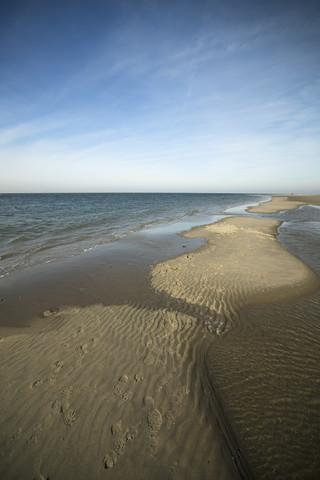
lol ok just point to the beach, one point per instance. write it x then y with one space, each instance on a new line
284 202
208 367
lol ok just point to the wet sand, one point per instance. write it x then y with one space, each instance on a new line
243 264
285 202
116 273
101 389
106 392
187 380
267 371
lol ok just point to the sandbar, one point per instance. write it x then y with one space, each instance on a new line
262 305
279 203
243 264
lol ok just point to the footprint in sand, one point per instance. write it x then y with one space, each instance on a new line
176 400
79 331
38 383
179 397
17 434
154 421
119 389
64 407
149 359
82 351
34 435
50 313
120 438
56 368
8 443
169 420
166 380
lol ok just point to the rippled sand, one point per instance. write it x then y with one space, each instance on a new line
243 264
267 372
111 392
265 367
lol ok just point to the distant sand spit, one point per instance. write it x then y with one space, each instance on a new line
279 203
107 392
242 265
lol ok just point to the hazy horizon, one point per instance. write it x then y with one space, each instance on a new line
164 192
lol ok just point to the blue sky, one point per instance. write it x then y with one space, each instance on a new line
185 96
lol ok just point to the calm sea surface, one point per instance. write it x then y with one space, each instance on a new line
43 228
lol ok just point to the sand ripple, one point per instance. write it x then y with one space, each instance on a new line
273 396
109 392
243 264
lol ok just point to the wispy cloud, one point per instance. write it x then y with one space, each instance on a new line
159 97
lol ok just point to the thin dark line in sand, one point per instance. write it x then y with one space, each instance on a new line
227 434
238 458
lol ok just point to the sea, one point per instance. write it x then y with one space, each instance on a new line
36 229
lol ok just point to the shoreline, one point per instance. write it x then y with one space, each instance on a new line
188 277
133 377
279 203
27 294
261 271
115 273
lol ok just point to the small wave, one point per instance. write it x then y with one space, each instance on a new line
6 255
44 248
91 248
20 239
89 223
194 212
164 221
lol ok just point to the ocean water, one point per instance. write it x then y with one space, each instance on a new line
42 228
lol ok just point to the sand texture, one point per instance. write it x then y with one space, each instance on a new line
265 369
243 264
202 378
267 372
107 392
279 203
